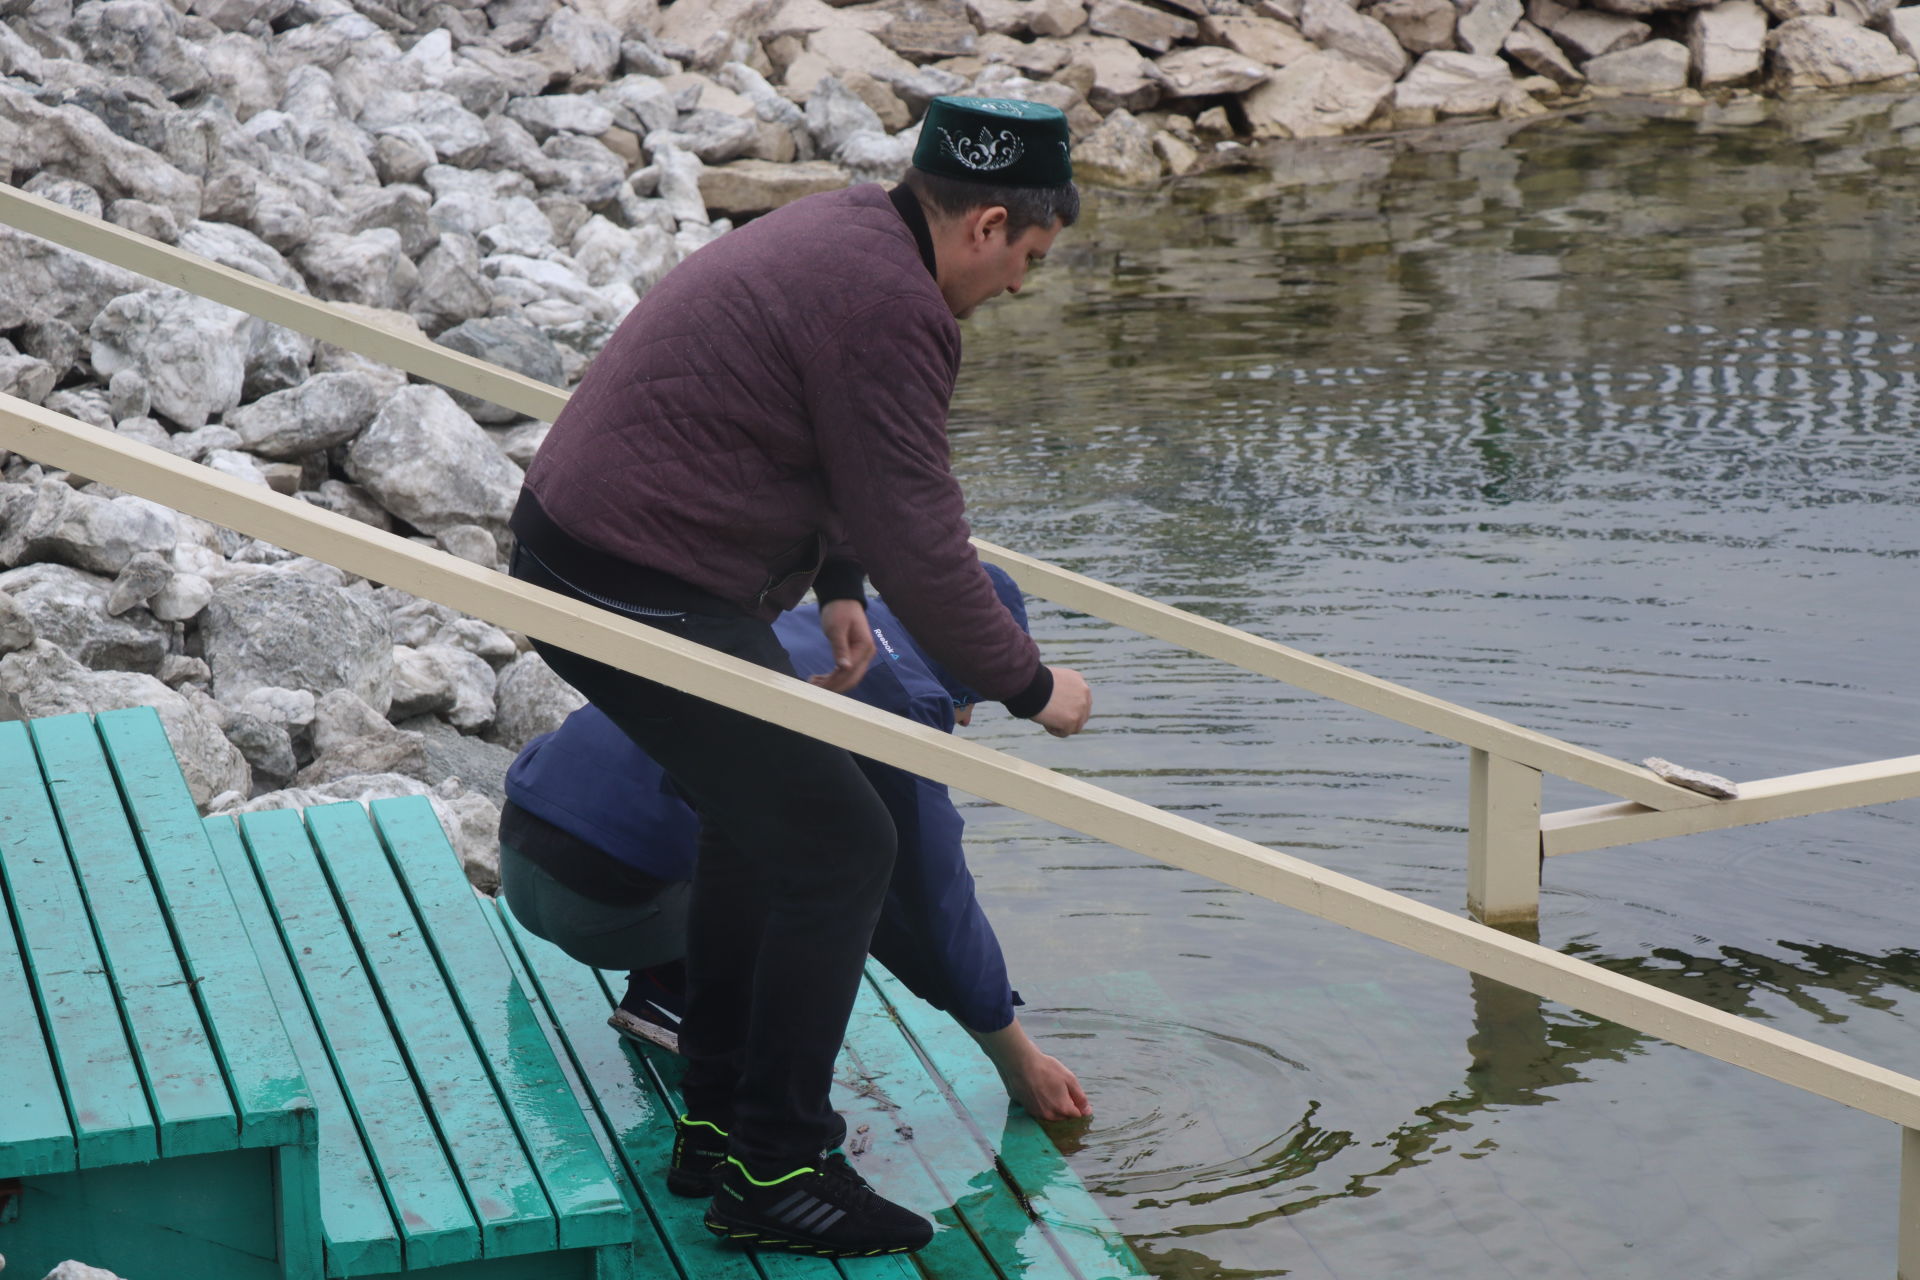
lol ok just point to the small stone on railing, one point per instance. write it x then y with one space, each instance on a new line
1707 784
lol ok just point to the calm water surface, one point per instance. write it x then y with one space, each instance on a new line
1606 426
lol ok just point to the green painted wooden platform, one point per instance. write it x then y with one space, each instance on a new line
298 1046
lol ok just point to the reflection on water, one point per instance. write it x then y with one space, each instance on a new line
1604 425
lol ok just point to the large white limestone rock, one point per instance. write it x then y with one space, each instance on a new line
1829 52
1320 96
1728 42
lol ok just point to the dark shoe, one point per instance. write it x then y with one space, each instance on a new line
699 1149
825 1209
650 1011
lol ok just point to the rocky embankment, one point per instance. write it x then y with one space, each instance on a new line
508 178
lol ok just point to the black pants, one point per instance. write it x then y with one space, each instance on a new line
795 853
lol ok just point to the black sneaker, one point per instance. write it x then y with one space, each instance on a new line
824 1209
650 1012
699 1149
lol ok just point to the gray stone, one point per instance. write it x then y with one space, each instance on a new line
1865 13
1117 154
145 576
682 180
1484 28
139 37
756 186
325 410
471 543
1828 52
352 737
640 104
1421 26
184 597
560 113
835 113
714 136
88 532
422 685
402 153
1139 24
242 73
400 208
1535 50
457 135
16 627
1707 784
68 141
268 748
41 280
43 680
530 700
471 682
582 49
511 343
128 396
1588 34
1446 83
1788 10
239 248
431 465
68 607
77 196
712 32
1658 66
1122 78
29 379
349 500
482 766
153 221
54 341
1320 96
1728 42
88 404
1205 72
370 268
1337 28
453 286
584 169
872 156
177 669
191 351
1903 28
283 631
1646 8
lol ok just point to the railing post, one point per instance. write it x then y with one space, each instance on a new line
1909 1204
1503 842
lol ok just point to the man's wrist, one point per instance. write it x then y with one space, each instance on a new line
1033 699
841 580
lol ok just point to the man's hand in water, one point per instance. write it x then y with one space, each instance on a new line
844 623
1038 1081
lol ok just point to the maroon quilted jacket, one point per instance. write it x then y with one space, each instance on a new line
777 404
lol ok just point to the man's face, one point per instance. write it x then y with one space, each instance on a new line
980 261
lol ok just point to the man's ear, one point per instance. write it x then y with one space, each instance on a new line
990 221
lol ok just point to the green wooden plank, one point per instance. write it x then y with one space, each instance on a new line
356 1224
664 1071
645 1256
942 1170
547 1118
188 1091
112 1121
626 1103
1073 1219
498 1178
436 1225
269 1091
35 1135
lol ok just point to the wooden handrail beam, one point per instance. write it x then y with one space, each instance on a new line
1343 684
1079 806
1795 795
195 274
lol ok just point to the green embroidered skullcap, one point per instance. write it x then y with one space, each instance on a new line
999 141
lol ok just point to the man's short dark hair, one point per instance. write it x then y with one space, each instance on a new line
1026 206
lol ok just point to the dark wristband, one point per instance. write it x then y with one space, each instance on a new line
840 580
1033 699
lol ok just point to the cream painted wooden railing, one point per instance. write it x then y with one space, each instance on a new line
1505 829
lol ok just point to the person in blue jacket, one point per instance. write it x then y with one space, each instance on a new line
597 851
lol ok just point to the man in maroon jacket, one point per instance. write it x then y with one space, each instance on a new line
770 418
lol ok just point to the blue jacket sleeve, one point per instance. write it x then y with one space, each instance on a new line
932 934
